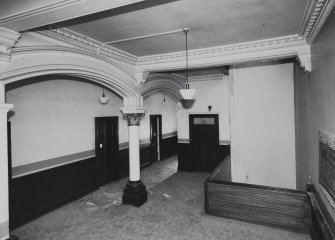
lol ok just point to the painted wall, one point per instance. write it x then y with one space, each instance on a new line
154 105
214 93
54 117
315 105
262 129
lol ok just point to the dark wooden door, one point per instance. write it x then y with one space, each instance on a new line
204 136
155 136
106 148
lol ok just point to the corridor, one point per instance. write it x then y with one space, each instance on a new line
174 211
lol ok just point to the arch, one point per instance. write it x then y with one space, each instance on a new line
32 64
163 83
175 95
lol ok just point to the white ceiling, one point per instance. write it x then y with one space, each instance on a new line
212 23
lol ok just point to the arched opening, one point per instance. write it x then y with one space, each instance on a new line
53 140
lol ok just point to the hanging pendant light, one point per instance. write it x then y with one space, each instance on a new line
187 93
164 103
103 99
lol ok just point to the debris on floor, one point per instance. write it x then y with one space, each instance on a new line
167 195
91 206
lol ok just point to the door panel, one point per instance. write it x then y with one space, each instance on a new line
155 136
106 148
204 132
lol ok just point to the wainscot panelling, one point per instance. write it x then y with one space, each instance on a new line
169 147
323 225
277 207
34 194
185 156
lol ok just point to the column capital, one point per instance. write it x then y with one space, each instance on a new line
133 115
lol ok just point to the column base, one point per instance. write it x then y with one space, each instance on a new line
135 193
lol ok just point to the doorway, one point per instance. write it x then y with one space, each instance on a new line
106 148
204 140
155 137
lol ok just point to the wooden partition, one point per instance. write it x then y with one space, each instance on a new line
277 207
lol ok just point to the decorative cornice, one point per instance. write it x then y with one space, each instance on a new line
208 77
315 16
96 47
292 46
8 38
305 61
260 45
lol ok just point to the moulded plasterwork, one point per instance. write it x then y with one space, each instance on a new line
7 40
315 16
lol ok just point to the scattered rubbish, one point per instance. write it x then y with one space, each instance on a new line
106 206
167 195
150 192
108 194
91 204
117 202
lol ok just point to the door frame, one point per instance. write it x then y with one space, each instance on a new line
114 118
191 133
152 117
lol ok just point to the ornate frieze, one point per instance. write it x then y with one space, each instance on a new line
133 119
260 45
8 38
315 15
78 40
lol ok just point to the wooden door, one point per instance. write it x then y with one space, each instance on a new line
155 136
106 148
204 136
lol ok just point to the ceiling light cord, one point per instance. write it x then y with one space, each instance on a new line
187 86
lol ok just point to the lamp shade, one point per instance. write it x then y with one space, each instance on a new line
187 94
103 99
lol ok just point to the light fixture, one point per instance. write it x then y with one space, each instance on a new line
187 93
103 99
164 103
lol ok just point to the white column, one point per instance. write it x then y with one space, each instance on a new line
134 153
4 207
133 117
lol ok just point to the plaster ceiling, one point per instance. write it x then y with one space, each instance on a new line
212 23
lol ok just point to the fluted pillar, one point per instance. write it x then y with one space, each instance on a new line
135 192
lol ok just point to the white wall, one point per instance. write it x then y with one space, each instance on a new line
262 130
154 106
214 93
55 118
